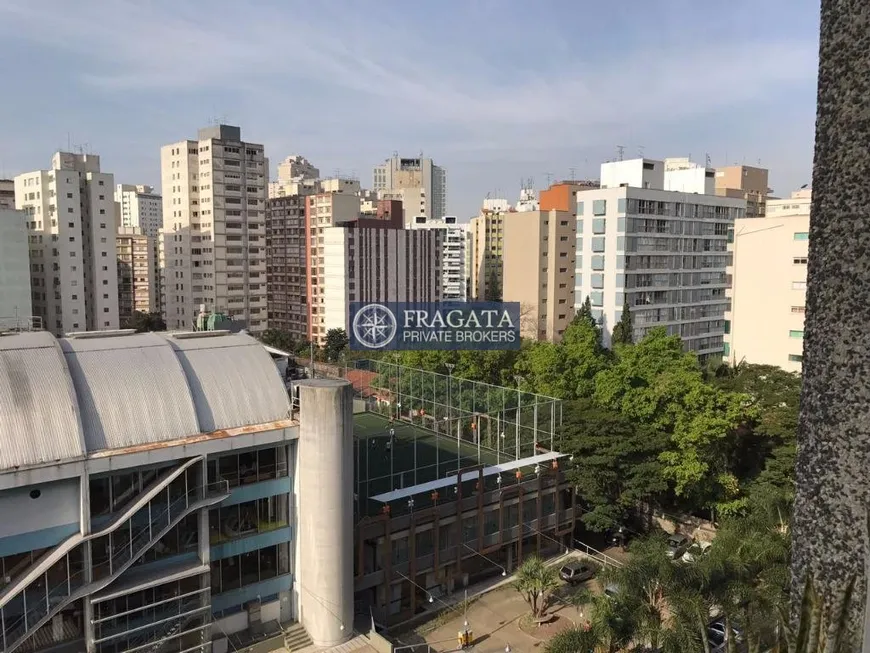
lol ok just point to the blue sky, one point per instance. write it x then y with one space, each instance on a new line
494 90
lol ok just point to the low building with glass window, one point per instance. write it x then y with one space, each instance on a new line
151 496
655 236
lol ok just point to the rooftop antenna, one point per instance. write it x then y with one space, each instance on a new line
620 152
573 173
640 149
549 176
707 160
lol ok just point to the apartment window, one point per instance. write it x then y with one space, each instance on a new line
795 358
798 285
727 327
579 209
597 298
801 235
799 260
598 263
796 333
598 244
599 207
726 349
69 196
71 225
106 310
598 226
620 205
598 281
799 309
70 210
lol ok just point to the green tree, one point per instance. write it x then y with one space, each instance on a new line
278 339
493 291
335 345
535 581
656 383
615 465
623 331
143 322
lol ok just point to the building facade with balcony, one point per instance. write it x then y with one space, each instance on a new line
136 273
213 244
454 242
664 252
151 493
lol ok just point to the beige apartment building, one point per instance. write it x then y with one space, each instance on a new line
539 254
768 285
7 194
71 226
136 271
486 254
745 183
213 247
322 211
424 181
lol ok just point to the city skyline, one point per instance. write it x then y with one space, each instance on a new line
738 87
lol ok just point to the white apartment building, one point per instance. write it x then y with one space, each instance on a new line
664 251
16 307
378 265
140 207
454 284
213 248
71 222
400 173
768 285
295 173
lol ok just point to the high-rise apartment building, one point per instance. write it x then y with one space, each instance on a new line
7 194
140 207
322 211
562 196
399 173
665 252
295 175
71 221
286 264
16 307
378 264
539 254
136 273
454 285
213 248
486 238
747 183
768 285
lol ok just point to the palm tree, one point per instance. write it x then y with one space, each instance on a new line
535 581
643 586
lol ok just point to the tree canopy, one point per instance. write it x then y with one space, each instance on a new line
143 322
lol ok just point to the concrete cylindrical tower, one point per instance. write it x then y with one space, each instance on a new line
325 525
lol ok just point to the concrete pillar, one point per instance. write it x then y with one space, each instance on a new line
830 535
325 525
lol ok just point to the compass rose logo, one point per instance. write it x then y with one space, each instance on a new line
374 326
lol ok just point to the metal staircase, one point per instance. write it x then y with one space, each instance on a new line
159 628
142 523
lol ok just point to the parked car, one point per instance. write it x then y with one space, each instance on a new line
677 545
716 635
696 551
611 590
576 572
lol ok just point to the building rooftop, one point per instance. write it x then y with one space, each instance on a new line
63 399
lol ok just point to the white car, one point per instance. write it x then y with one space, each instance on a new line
697 550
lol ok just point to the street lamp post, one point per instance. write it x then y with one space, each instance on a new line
519 381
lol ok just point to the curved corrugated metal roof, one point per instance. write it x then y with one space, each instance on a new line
233 381
61 399
131 390
39 420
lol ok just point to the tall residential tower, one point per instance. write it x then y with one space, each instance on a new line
418 173
213 249
71 221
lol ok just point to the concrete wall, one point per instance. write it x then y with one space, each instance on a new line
325 472
14 267
57 504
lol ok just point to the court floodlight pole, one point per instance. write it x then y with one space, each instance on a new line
519 380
